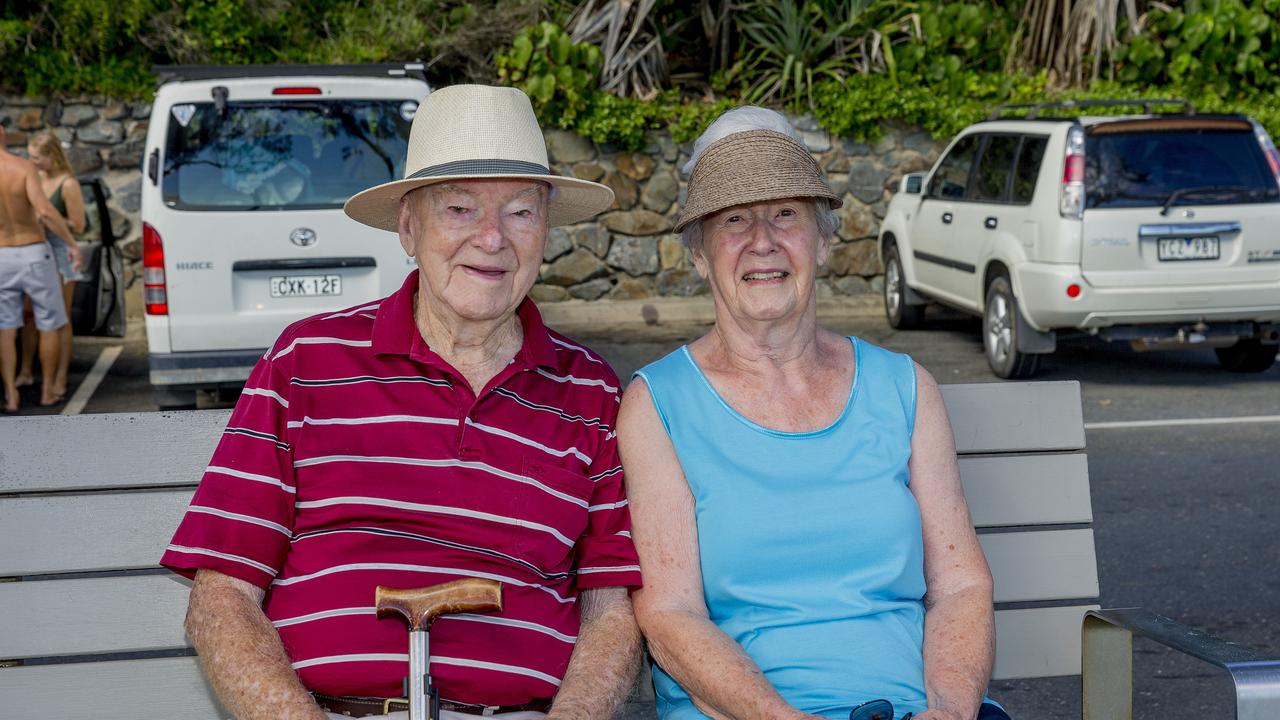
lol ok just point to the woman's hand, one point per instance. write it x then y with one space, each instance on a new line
73 254
939 714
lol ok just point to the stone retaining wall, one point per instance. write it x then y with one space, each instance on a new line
103 137
627 253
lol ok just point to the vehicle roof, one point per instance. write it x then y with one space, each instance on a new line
260 88
1015 124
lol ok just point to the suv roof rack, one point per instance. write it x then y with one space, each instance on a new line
1034 109
176 73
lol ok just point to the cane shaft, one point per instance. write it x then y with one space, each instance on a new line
419 667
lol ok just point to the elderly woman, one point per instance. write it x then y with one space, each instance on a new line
796 505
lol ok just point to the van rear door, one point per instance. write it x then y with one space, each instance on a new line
1178 201
253 233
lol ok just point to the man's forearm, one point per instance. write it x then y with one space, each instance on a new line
241 652
605 658
959 645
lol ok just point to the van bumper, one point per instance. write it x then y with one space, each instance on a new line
1042 291
203 369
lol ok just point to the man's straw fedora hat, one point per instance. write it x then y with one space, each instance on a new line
473 132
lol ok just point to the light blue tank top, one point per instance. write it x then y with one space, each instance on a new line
811 550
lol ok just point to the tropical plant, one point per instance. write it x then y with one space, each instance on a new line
558 74
1227 47
635 61
1075 39
789 45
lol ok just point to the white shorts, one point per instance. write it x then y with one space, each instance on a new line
30 270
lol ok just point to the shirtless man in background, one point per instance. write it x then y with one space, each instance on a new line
27 267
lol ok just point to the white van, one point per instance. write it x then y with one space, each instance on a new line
246 171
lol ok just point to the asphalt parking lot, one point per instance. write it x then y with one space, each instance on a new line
1182 464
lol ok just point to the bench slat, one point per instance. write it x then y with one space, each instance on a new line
1041 565
101 531
52 618
121 690
1006 490
1038 642
1015 417
64 452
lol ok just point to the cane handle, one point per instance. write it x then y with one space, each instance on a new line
421 606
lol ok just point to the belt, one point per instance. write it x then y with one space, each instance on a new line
356 706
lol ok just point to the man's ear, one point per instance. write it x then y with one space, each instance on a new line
408 224
824 250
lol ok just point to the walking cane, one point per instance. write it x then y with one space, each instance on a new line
420 607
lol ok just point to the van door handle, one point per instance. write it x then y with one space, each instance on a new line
947 218
989 223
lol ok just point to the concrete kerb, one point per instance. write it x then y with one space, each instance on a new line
664 313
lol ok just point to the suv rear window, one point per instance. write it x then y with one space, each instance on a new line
282 155
1204 166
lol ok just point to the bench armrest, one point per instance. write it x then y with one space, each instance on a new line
1107 663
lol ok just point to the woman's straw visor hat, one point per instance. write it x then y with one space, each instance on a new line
752 166
473 132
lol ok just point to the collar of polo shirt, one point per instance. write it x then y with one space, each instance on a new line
396 333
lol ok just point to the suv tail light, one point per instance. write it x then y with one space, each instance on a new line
1071 201
154 293
1268 149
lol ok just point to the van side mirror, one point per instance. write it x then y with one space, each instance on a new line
912 183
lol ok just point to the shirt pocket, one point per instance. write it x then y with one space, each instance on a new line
557 507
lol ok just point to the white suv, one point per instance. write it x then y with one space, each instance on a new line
246 171
1162 230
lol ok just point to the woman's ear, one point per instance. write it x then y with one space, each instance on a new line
700 263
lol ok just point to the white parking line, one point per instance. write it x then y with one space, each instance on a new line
1242 420
99 370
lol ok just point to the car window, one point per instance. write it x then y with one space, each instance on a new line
952 176
1030 156
290 155
991 174
1135 169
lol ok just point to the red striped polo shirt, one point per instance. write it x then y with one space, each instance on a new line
357 457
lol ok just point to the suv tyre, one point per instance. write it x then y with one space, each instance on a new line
1249 355
900 315
1000 333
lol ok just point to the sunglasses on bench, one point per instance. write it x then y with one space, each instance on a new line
875 710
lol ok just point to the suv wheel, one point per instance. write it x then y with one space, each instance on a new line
900 315
1249 355
1000 333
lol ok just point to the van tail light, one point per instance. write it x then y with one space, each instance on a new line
296 90
154 292
1071 201
1268 149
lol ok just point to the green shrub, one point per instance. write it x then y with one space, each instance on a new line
558 74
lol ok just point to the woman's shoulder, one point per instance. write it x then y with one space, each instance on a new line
668 366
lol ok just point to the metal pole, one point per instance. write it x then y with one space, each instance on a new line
419 666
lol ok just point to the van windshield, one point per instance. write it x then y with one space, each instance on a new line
282 155
1189 166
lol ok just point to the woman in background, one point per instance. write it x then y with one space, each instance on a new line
63 189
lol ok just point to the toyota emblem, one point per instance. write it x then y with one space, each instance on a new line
303 237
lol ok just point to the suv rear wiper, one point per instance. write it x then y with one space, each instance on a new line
1208 190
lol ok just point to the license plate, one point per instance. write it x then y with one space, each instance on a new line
1188 248
305 285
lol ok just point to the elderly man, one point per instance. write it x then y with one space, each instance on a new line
437 434
27 267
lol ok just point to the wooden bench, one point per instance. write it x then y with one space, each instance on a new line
90 627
